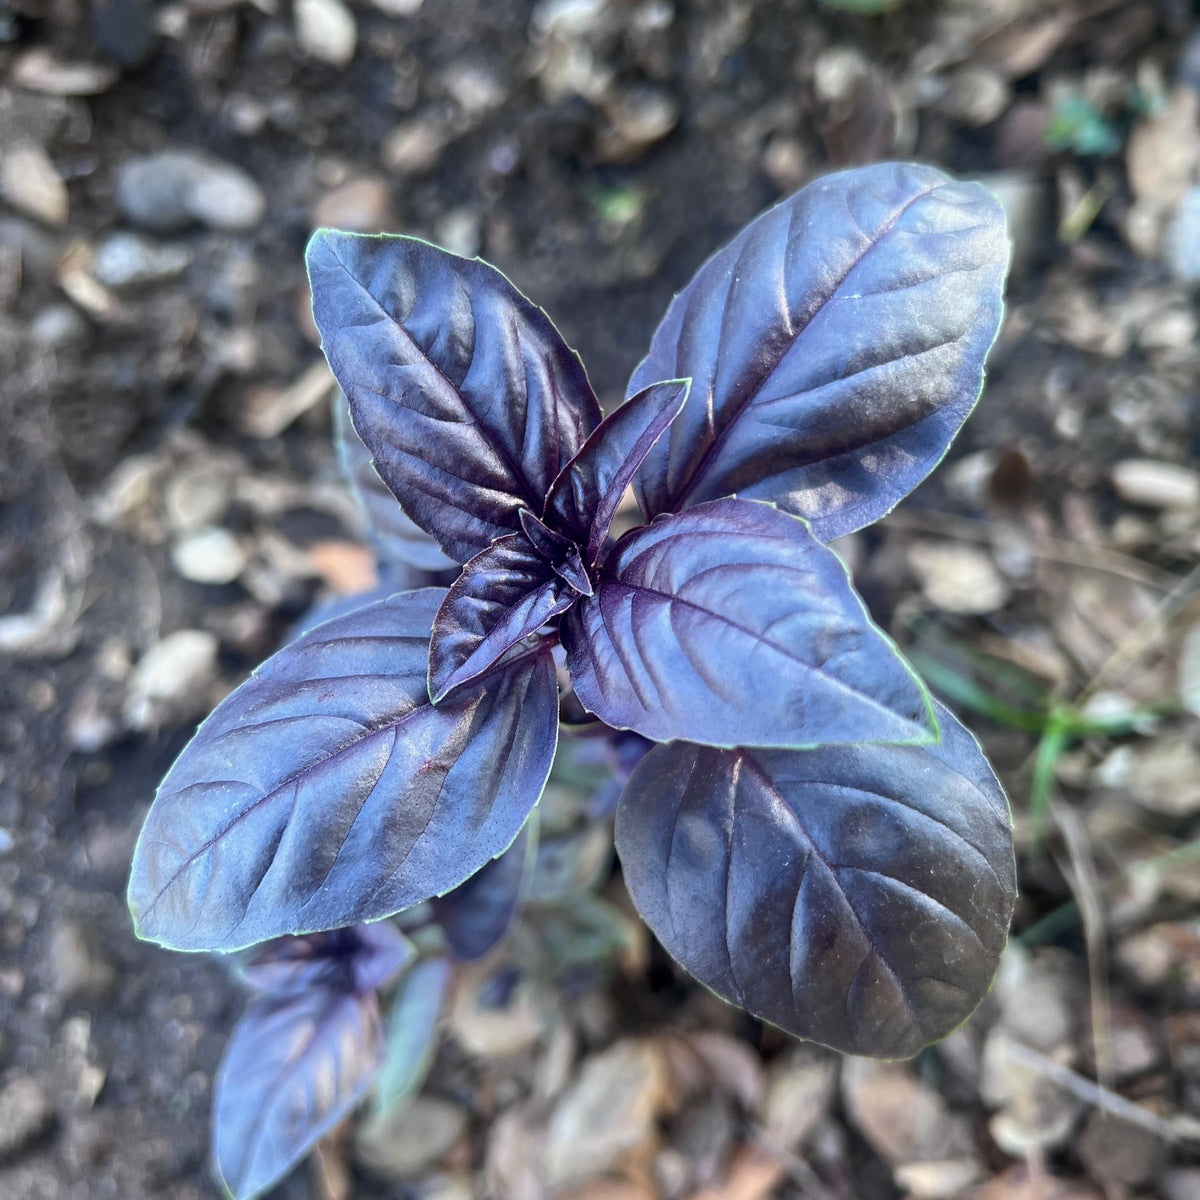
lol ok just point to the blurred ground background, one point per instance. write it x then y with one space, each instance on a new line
169 504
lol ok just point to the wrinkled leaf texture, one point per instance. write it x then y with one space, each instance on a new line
464 392
731 625
327 790
858 896
294 1067
396 538
476 915
835 346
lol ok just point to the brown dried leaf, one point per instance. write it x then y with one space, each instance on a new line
1018 50
609 1111
958 578
1021 1183
1166 777
800 1090
513 1165
348 567
1163 152
904 1121
1119 1154
1034 1114
735 1067
752 1175
269 411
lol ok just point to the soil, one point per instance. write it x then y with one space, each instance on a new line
596 152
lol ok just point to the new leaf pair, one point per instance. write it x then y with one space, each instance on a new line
803 843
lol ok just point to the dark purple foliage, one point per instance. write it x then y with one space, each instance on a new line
811 838
476 915
327 790
835 346
304 1053
856 895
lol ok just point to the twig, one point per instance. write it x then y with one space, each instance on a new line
1100 1097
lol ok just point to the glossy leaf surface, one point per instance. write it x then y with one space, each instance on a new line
502 596
859 896
583 500
835 347
463 391
477 914
395 536
558 550
327 790
731 625
294 1067
411 1032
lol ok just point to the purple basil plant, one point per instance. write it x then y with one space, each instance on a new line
811 835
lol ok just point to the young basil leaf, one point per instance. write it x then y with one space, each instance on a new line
327 790
858 895
382 953
584 931
463 391
294 1067
731 625
477 914
559 551
411 1035
396 537
835 346
583 500
502 596
363 957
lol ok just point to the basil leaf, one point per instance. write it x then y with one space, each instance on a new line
503 595
412 1025
396 537
294 1067
327 790
731 625
835 347
463 391
477 914
856 895
363 957
583 500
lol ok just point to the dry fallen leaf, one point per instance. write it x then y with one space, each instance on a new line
904 1120
735 1067
752 1175
609 1111
958 578
800 1089
1022 1183
1163 152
